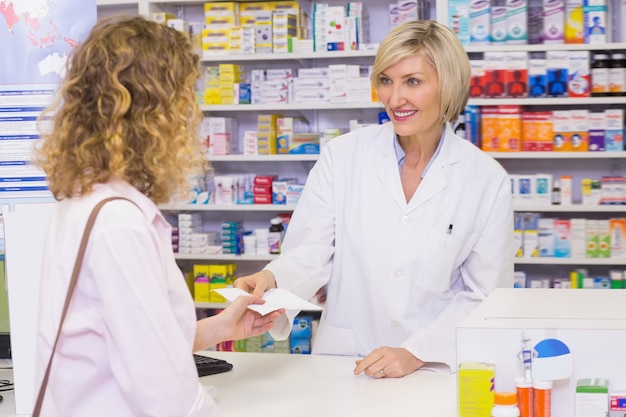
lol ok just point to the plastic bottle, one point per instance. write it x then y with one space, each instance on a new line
542 398
524 396
275 238
505 404
617 74
600 75
555 196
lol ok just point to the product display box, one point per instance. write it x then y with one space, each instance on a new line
573 335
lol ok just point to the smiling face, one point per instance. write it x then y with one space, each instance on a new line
409 90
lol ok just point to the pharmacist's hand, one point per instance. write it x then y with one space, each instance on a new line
388 362
239 322
257 283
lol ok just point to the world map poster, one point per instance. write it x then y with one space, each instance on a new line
36 37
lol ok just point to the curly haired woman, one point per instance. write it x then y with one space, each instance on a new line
124 124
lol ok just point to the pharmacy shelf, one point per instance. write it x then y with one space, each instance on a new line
570 261
558 155
546 47
116 3
200 304
227 207
220 58
263 158
268 107
573 208
546 101
223 257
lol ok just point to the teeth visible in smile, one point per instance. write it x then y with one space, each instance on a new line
404 113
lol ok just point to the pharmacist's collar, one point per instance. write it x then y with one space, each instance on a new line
401 155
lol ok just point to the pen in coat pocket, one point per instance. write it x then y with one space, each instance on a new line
450 229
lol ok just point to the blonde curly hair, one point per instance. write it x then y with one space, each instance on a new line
126 109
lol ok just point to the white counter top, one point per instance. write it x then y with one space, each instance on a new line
283 385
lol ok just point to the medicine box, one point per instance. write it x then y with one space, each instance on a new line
300 346
475 388
592 397
301 328
588 326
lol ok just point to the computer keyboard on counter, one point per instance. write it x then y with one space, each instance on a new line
207 365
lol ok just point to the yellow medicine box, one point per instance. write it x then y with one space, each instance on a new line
475 387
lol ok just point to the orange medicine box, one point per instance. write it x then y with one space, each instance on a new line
489 129
510 128
537 132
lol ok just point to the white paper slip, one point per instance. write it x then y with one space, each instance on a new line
274 299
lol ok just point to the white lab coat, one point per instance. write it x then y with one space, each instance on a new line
396 276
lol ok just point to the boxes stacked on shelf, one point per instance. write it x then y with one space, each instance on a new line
275 87
574 130
201 288
232 237
537 131
312 85
284 27
543 189
319 26
229 76
187 224
537 77
220 18
616 10
221 276
576 238
289 141
262 188
293 7
298 342
162 17
266 134
340 75
501 128
532 21
301 334
340 28
279 189
219 135
250 145
211 85
242 39
263 25
211 277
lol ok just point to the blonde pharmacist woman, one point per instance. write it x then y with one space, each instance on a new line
125 126
409 225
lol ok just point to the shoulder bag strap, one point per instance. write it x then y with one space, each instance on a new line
70 290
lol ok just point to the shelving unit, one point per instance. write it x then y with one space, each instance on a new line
577 164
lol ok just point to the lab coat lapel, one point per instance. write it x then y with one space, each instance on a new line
387 172
435 180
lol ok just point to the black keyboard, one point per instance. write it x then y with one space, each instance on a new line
209 366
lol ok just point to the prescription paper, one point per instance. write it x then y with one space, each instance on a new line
275 299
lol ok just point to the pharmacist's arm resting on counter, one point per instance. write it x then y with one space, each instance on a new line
389 283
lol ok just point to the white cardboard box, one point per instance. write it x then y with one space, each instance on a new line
591 323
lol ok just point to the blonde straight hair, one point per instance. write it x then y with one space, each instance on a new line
441 48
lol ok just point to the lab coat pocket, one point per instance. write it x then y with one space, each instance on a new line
334 340
443 253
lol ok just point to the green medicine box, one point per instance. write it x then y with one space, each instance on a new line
592 397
